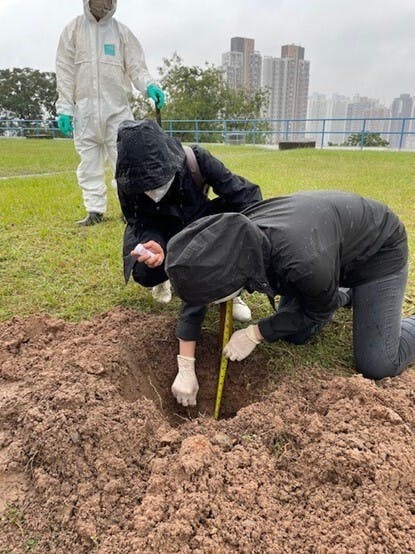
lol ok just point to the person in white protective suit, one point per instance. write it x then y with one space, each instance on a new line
97 60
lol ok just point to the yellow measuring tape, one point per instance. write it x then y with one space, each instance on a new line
227 331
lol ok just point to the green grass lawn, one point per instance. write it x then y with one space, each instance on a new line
48 264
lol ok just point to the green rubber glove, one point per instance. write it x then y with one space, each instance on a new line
65 124
156 94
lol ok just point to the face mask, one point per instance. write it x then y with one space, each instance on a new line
157 194
224 299
100 8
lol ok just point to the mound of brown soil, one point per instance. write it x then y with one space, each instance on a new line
95 455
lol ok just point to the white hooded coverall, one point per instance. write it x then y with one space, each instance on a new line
96 62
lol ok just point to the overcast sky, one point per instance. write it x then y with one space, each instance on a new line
354 46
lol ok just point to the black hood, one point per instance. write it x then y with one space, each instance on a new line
147 157
217 255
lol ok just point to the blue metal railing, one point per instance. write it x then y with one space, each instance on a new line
393 129
398 131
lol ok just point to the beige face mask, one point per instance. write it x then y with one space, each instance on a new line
157 194
100 8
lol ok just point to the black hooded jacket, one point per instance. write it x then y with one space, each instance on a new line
149 158
303 247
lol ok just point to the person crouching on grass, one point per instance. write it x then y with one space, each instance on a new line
319 251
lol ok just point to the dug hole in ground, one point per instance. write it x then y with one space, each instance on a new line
96 456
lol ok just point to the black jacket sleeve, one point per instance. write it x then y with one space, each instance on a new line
236 192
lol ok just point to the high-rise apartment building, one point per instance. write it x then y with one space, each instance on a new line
242 66
255 70
232 67
401 107
336 112
367 111
246 46
316 112
287 81
344 116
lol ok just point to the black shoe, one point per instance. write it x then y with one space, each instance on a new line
91 219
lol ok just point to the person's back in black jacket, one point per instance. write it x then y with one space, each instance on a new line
305 247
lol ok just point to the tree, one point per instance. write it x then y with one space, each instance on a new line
27 93
369 139
202 94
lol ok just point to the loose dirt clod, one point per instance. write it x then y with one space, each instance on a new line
96 456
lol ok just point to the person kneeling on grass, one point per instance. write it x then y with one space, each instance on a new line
319 251
160 194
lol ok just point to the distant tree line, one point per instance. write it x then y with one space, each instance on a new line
27 93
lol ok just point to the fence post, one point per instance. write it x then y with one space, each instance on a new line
225 132
323 130
362 135
402 133
197 130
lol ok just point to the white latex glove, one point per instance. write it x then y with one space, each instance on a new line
185 387
242 343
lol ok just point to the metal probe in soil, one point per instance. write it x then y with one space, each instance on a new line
226 331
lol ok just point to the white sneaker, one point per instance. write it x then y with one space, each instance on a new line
240 311
162 293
